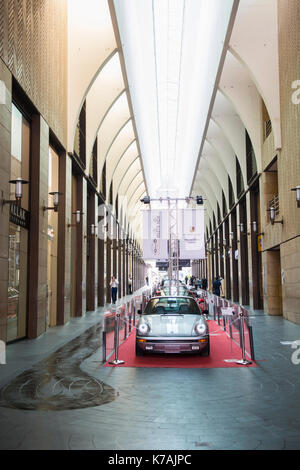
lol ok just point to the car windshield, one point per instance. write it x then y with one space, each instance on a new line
179 290
172 305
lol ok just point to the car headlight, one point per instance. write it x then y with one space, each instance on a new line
200 328
143 329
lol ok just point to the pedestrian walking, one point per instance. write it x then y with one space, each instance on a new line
222 288
216 286
204 283
114 289
130 285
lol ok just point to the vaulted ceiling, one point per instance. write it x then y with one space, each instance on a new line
171 87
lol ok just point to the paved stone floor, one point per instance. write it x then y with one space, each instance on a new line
56 394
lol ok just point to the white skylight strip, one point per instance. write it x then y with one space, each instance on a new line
171 79
168 27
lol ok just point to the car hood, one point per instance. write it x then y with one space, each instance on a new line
172 325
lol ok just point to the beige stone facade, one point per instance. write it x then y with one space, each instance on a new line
278 265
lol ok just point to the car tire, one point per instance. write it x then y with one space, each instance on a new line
138 351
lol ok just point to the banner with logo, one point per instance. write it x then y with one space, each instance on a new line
190 226
155 230
191 233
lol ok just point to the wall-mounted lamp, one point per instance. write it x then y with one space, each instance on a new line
297 189
254 228
231 234
77 218
18 192
272 216
55 195
94 232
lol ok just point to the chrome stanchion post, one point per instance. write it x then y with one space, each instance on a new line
103 346
125 327
243 361
117 361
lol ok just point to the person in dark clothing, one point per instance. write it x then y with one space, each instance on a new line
204 283
216 286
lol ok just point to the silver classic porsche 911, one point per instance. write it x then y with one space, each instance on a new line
172 325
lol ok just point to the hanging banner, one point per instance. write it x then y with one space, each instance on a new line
155 243
191 233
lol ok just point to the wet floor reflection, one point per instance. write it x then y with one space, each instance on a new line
58 383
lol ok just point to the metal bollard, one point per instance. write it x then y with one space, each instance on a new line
130 323
230 327
243 361
125 327
117 361
218 314
224 323
103 346
251 342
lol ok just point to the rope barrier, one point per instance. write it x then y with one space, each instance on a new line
129 308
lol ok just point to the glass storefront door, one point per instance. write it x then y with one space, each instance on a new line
17 282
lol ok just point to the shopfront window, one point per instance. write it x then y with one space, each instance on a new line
18 230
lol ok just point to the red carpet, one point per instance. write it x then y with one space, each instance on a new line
221 349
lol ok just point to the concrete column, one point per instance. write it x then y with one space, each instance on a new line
101 246
120 262
234 261
272 282
38 239
243 254
114 250
64 241
91 254
124 280
227 253
84 244
290 279
108 258
126 266
5 164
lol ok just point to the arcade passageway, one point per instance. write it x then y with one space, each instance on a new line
141 139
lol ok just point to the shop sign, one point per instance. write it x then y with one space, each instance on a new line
19 216
227 311
259 243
